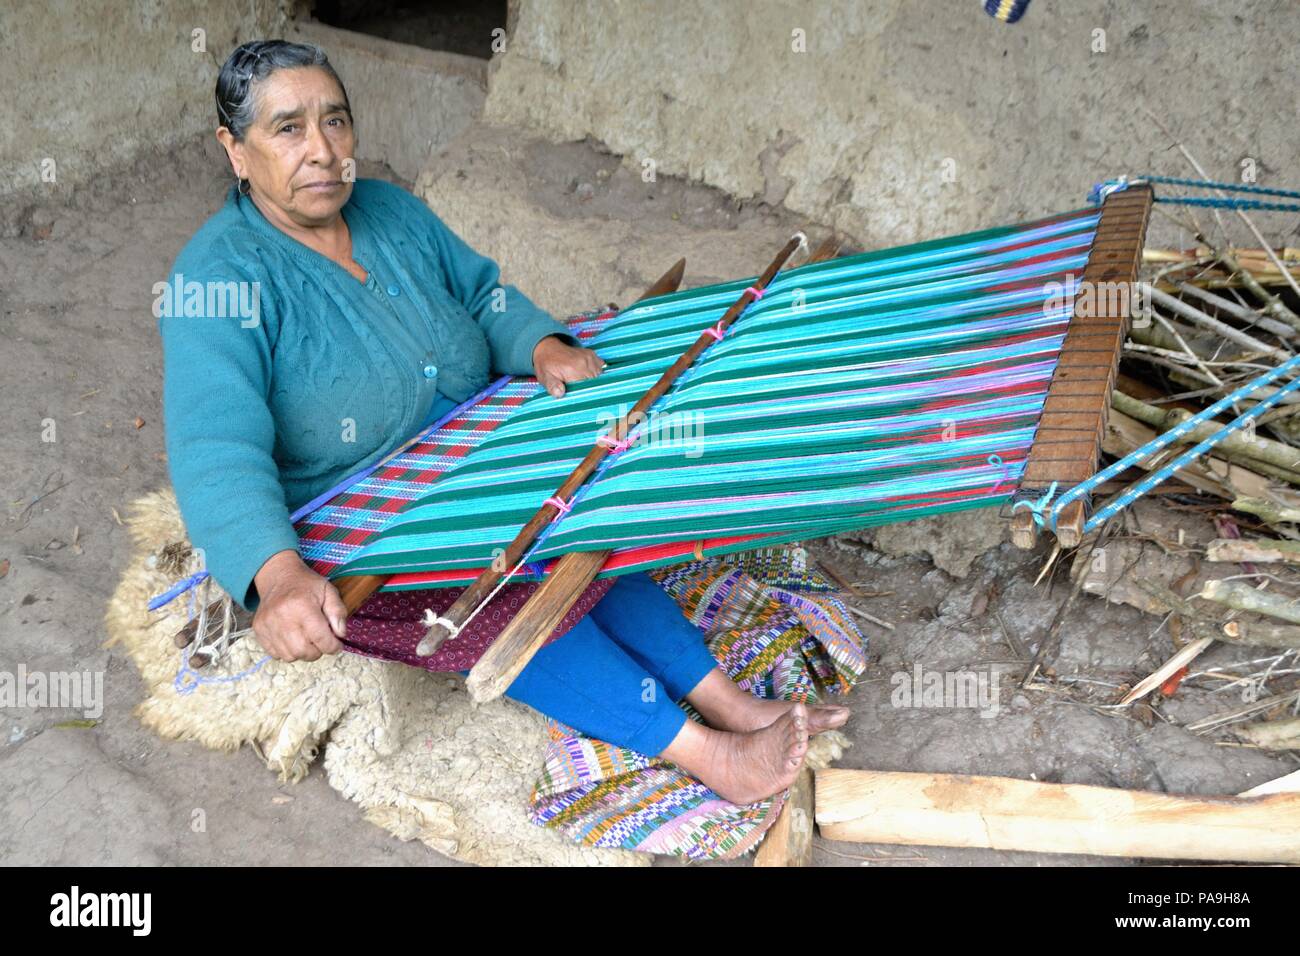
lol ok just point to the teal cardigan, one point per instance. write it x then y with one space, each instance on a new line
284 374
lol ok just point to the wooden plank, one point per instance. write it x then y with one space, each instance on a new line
1085 373
1067 443
1069 524
1080 388
1043 473
1001 813
789 841
1024 530
1076 359
532 624
1079 421
1067 404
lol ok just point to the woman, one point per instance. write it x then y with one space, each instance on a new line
363 317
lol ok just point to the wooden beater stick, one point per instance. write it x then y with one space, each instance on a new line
474 596
528 630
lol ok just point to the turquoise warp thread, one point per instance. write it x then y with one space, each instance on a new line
1039 508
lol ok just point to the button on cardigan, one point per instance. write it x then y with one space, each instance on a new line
284 374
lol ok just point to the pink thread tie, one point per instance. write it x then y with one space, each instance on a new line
756 292
564 506
615 446
716 331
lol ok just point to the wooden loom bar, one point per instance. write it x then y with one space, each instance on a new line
1067 444
485 584
527 632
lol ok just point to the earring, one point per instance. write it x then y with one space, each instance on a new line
245 191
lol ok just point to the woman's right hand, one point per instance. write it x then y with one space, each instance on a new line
301 615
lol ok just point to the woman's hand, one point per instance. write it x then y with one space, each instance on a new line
556 363
300 616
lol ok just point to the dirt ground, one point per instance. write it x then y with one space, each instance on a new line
80 347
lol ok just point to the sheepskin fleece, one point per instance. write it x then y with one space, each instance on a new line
407 746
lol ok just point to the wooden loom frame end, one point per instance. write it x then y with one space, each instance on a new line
1067 443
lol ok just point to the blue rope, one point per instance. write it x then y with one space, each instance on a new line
1226 187
1162 441
189 680
177 589
1103 189
1230 203
1156 477
1039 508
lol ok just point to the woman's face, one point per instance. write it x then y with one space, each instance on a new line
293 152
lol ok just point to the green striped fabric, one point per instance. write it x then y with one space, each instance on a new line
866 389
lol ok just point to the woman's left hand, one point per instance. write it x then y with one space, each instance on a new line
557 363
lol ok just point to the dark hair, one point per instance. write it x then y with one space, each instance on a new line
255 61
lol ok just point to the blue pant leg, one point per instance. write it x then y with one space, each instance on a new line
649 625
587 681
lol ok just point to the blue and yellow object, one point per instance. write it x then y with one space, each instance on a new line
1008 11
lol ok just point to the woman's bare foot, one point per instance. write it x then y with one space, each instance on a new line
744 767
725 706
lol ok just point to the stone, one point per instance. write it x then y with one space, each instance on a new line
952 541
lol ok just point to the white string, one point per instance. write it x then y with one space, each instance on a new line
432 620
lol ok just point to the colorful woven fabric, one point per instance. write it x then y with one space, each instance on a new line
332 533
857 391
780 633
391 623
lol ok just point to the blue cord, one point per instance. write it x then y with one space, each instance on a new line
1039 508
1226 187
1230 203
1103 189
1045 516
196 680
177 589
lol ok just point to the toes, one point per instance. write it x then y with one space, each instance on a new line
794 756
799 714
797 746
827 717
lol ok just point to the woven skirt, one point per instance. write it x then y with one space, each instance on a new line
391 623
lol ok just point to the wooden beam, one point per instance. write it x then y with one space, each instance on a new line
1067 443
1001 813
528 630
789 841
